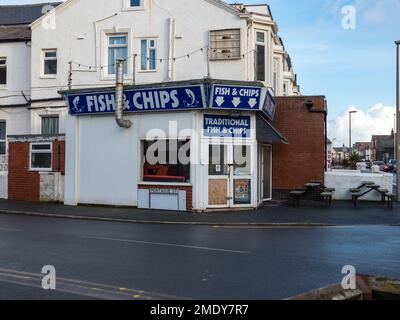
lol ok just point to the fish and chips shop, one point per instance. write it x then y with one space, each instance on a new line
188 146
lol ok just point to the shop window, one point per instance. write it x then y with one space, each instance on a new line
3 71
148 54
117 49
3 143
50 62
260 56
242 160
50 125
166 161
40 156
225 44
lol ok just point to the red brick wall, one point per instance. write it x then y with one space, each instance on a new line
24 185
303 159
188 189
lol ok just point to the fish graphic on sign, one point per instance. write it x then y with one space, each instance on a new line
192 99
75 102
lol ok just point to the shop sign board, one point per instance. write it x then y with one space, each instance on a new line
227 126
269 106
242 191
235 97
139 100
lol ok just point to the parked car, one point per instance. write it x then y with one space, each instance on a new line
393 165
382 166
369 164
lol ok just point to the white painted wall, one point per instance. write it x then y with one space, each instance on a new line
18 56
342 181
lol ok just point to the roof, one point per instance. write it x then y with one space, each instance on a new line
266 133
23 14
15 33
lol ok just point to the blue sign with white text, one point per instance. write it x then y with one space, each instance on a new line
227 126
235 97
269 106
139 100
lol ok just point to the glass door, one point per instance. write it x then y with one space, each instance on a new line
229 176
266 172
218 176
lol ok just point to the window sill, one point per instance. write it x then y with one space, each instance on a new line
147 71
41 170
48 77
168 184
141 8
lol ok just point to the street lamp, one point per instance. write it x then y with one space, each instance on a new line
350 114
397 152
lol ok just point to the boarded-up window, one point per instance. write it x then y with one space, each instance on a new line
225 44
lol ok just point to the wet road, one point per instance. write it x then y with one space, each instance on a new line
133 261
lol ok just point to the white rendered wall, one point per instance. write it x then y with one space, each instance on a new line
342 181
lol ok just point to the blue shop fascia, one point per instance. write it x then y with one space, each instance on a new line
233 117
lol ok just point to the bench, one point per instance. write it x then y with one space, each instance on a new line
297 195
327 195
383 192
390 199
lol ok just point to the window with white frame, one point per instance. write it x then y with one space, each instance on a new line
225 44
148 53
260 56
117 50
135 3
3 142
41 156
3 71
50 62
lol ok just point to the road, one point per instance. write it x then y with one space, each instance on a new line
139 261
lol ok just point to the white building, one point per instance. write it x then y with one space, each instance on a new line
74 47
15 77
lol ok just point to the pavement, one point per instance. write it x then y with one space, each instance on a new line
271 214
109 260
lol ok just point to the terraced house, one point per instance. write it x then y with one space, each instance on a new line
213 80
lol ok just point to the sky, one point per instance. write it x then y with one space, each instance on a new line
354 68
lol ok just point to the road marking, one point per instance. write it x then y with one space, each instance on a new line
168 245
82 288
9 230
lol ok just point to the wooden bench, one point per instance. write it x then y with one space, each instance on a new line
383 192
390 199
297 195
327 195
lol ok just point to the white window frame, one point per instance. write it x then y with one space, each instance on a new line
107 75
127 6
31 151
44 59
148 54
4 66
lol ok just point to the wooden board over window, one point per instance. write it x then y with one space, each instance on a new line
225 44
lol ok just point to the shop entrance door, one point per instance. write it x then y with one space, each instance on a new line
229 176
266 172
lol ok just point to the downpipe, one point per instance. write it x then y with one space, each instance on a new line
119 96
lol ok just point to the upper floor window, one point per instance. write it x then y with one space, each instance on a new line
260 56
3 71
148 54
3 137
50 62
50 125
117 49
225 44
135 3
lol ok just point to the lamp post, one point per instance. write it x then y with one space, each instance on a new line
350 114
397 151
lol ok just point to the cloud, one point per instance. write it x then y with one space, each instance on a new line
378 119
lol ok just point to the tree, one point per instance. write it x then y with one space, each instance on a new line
353 159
